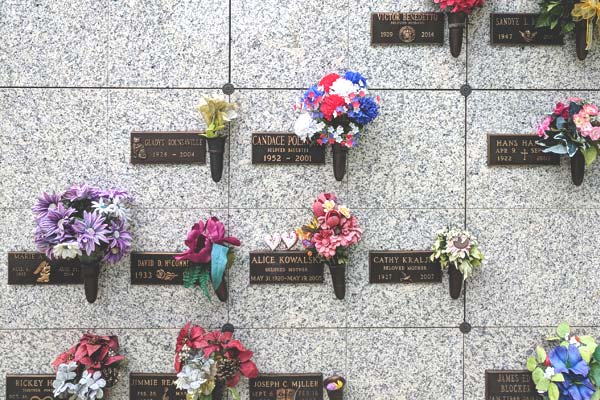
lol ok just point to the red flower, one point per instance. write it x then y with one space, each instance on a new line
318 204
328 80
201 238
234 350
330 105
332 219
65 358
560 109
94 351
190 336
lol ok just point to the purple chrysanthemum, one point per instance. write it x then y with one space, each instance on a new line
47 201
91 231
57 223
115 194
119 241
43 243
81 192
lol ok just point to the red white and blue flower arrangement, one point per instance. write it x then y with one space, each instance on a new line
85 223
570 371
573 128
334 112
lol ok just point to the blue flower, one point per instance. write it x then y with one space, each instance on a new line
368 110
575 388
568 360
312 96
356 78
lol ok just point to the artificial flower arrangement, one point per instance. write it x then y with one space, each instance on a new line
87 369
216 111
210 255
208 362
335 385
458 251
570 371
458 10
572 129
86 223
581 16
334 112
331 232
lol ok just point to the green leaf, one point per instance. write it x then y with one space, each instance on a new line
230 258
218 263
537 375
590 154
234 393
191 276
557 378
596 396
543 384
553 392
563 330
597 354
586 353
203 279
540 354
595 374
531 364
587 340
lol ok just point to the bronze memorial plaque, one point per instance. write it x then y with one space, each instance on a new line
514 385
287 387
405 28
168 148
403 267
29 387
154 387
518 150
156 269
519 29
285 267
31 268
284 148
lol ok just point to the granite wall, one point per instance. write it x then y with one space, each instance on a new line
77 77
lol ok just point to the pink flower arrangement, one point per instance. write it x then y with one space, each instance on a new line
332 230
572 126
455 6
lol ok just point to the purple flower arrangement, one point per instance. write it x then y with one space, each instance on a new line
83 222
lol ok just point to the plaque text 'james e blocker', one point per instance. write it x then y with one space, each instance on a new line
157 269
154 387
168 148
518 150
287 387
285 267
389 28
284 148
507 384
519 29
403 267
31 268
29 387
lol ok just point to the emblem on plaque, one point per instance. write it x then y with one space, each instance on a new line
43 270
408 34
528 35
139 150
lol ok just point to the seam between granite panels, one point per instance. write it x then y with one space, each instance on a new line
115 87
108 36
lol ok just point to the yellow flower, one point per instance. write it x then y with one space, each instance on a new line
328 205
216 110
587 10
344 211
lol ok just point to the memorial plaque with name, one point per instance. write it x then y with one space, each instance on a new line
31 268
29 387
157 269
168 148
389 28
287 387
284 148
519 29
285 267
403 267
518 150
507 384
154 387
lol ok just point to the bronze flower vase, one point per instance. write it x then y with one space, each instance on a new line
90 272
455 278
340 154
219 390
338 277
216 148
577 168
581 39
337 394
456 27
222 291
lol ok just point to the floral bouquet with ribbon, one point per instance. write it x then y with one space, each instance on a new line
331 232
570 371
582 16
84 371
208 362
335 111
458 251
573 128
209 256
457 19
86 223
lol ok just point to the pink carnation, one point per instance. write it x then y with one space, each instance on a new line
326 243
590 109
544 126
455 6
595 133
351 233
